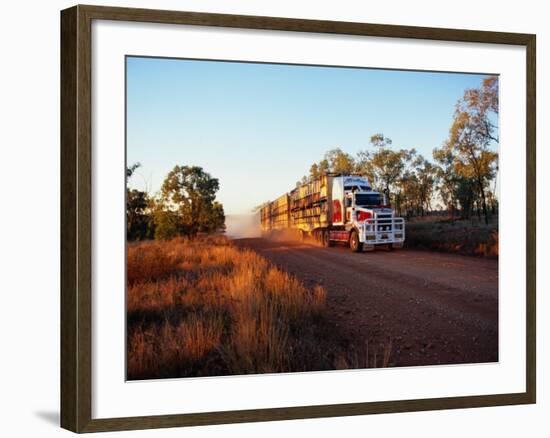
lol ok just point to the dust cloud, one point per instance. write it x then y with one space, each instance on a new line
240 226
243 226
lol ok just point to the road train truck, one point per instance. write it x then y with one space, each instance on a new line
335 208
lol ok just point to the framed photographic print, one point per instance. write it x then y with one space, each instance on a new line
270 218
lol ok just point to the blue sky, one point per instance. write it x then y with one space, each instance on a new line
259 127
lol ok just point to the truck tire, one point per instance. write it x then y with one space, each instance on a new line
325 238
354 243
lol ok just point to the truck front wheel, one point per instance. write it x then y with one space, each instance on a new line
325 238
354 243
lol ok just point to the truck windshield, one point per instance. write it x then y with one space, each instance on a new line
364 200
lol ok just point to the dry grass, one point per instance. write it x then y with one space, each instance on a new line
205 307
467 237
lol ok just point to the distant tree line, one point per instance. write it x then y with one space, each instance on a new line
185 206
462 174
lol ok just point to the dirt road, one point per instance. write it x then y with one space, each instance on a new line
434 308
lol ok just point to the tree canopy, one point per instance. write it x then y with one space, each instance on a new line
467 162
185 205
137 220
334 161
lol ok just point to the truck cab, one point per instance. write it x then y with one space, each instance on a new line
368 218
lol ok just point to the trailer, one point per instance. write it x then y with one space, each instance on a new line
335 208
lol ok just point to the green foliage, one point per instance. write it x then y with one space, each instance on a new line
383 166
138 219
186 204
213 218
466 164
130 170
166 225
416 186
334 161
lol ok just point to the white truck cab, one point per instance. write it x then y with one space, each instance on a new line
366 215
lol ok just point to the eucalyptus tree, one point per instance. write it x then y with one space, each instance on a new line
383 165
187 203
472 133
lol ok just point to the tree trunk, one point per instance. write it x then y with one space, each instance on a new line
480 187
484 203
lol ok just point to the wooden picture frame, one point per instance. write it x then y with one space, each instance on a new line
76 201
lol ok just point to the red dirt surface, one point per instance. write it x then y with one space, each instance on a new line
433 308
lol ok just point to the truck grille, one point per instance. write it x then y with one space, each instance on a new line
384 222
